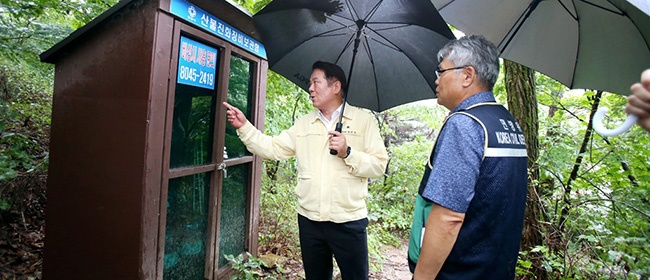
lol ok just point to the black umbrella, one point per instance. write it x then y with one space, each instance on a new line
389 46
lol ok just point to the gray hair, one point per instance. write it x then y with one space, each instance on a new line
475 51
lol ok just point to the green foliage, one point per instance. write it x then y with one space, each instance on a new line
249 267
4 205
429 116
410 130
390 205
15 155
499 89
31 27
278 223
285 102
523 266
551 261
25 109
253 6
27 29
605 234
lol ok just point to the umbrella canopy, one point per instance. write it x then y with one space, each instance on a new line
397 45
588 44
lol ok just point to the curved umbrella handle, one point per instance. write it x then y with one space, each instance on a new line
602 130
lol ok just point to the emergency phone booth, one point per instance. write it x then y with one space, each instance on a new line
146 180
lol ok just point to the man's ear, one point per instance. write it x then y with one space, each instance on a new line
337 87
470 76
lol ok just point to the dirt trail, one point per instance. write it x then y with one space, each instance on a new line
394 266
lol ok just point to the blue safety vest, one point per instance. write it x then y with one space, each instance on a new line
487 246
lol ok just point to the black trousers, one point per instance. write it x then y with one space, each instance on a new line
348 242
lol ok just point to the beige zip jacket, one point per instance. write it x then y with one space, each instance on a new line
329 188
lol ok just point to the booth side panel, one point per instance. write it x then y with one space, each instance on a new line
160 79
98 151
260 105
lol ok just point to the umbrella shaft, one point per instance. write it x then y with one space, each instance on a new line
357 41
347 85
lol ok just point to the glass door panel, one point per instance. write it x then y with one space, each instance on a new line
235 192
207 213
192 131
185 232
234 198
191 163
240 84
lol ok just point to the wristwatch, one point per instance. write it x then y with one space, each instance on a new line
348 152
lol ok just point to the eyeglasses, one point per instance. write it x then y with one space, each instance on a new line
440 71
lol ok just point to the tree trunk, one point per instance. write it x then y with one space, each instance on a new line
564 214
522 103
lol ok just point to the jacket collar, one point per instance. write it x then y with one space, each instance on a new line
348 114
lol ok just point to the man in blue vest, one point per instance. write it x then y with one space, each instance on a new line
469 211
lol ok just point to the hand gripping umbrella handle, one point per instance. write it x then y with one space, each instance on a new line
338 128
602 130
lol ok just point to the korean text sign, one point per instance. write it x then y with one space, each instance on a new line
212 24
197 64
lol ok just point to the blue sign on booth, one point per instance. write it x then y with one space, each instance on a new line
210 23
197 64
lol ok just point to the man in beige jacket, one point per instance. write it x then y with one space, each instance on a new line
331 189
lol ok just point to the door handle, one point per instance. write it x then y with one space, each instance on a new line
222 168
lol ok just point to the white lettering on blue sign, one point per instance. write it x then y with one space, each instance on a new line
197 64
510 138
503 138
503 123
210 23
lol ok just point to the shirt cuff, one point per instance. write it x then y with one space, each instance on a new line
245 129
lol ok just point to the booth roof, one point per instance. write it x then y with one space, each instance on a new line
51 54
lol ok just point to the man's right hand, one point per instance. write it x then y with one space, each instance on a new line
639 101
235 116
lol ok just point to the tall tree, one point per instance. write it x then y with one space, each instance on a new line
522 103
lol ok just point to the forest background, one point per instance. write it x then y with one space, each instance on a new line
588 214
